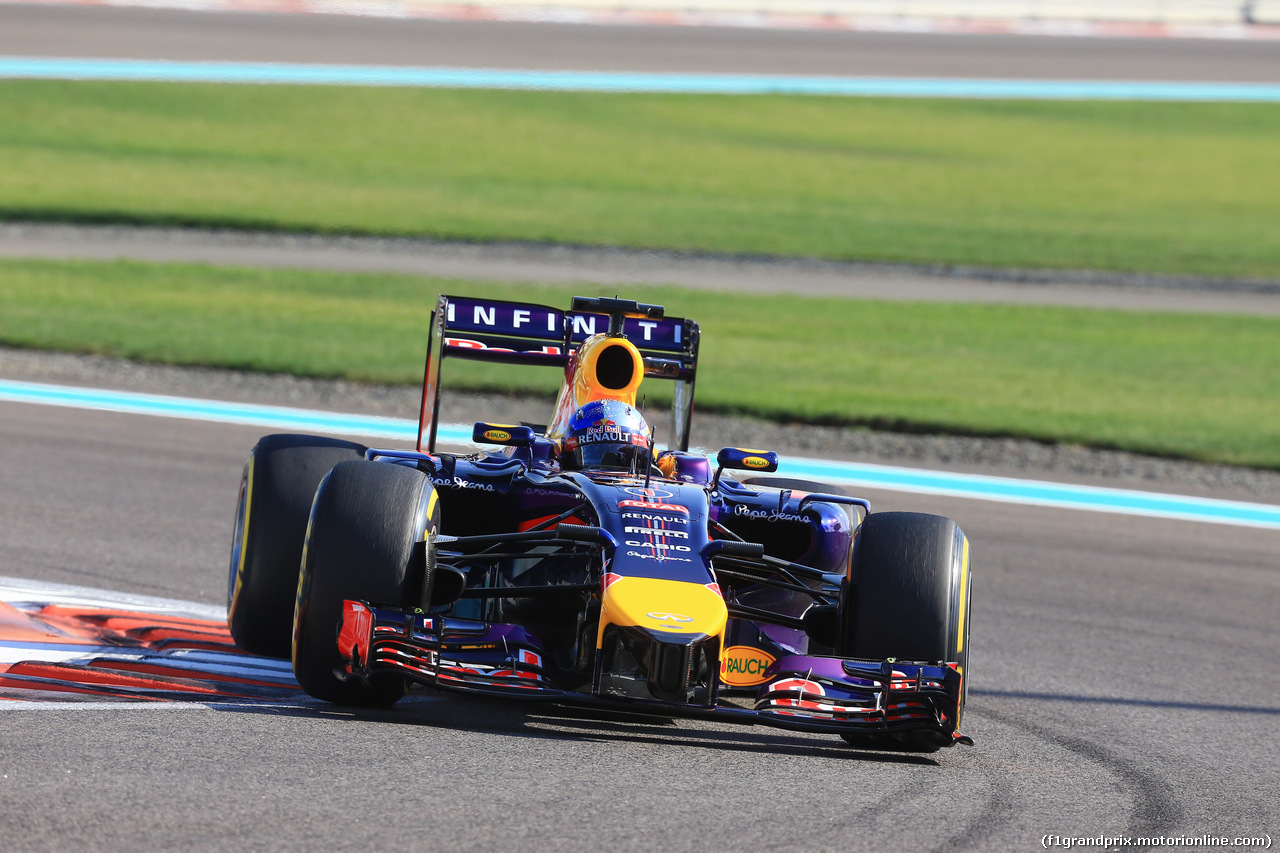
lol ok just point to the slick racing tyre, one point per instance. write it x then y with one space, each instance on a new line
276 489
371 537
909 600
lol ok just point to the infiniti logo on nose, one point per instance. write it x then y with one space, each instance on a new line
669 617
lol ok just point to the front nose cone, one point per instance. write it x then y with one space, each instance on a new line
660 639
663 607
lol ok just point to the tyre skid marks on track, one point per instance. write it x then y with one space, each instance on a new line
71 644
983 799
1155 805
999 809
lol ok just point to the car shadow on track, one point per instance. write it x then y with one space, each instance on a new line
525 719
1162 704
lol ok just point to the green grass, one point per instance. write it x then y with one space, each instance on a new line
1204 387
1182 188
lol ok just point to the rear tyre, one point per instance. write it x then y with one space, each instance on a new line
371 537
276 489
909 600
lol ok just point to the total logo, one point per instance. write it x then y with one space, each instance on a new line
683 510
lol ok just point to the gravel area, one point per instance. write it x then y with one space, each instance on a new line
1005 457
606 267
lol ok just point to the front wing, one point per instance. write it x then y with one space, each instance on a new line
801 692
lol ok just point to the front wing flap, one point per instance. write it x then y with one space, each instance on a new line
861 696
440 651
801 692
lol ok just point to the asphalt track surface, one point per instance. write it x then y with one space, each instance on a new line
1124 677
1124 683
139 33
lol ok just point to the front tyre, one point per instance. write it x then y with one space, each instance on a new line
909 599
370 537
276 489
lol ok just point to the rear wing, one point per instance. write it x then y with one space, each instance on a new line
523 333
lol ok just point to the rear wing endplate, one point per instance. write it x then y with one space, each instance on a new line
524 333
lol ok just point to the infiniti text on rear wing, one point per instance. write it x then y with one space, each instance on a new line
523 333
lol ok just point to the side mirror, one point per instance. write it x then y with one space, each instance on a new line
742 459
508 435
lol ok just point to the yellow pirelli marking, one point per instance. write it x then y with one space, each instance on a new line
964 584
244 536
303 579
431 508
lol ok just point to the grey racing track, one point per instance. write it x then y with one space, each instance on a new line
1124 683
1124 670
139 33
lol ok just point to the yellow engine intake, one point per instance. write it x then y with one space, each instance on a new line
603 368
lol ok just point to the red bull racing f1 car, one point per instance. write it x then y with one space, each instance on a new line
580 565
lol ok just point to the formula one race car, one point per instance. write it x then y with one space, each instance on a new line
580 565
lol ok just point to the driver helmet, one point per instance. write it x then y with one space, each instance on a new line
605 434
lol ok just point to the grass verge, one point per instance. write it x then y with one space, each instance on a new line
1179 188
1201 387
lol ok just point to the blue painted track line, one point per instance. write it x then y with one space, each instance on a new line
918 481
1036 492
217 411
612 81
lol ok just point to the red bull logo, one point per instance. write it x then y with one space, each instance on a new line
607 433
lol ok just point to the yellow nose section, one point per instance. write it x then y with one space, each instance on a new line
663 606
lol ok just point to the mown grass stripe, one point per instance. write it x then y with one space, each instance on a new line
969 486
